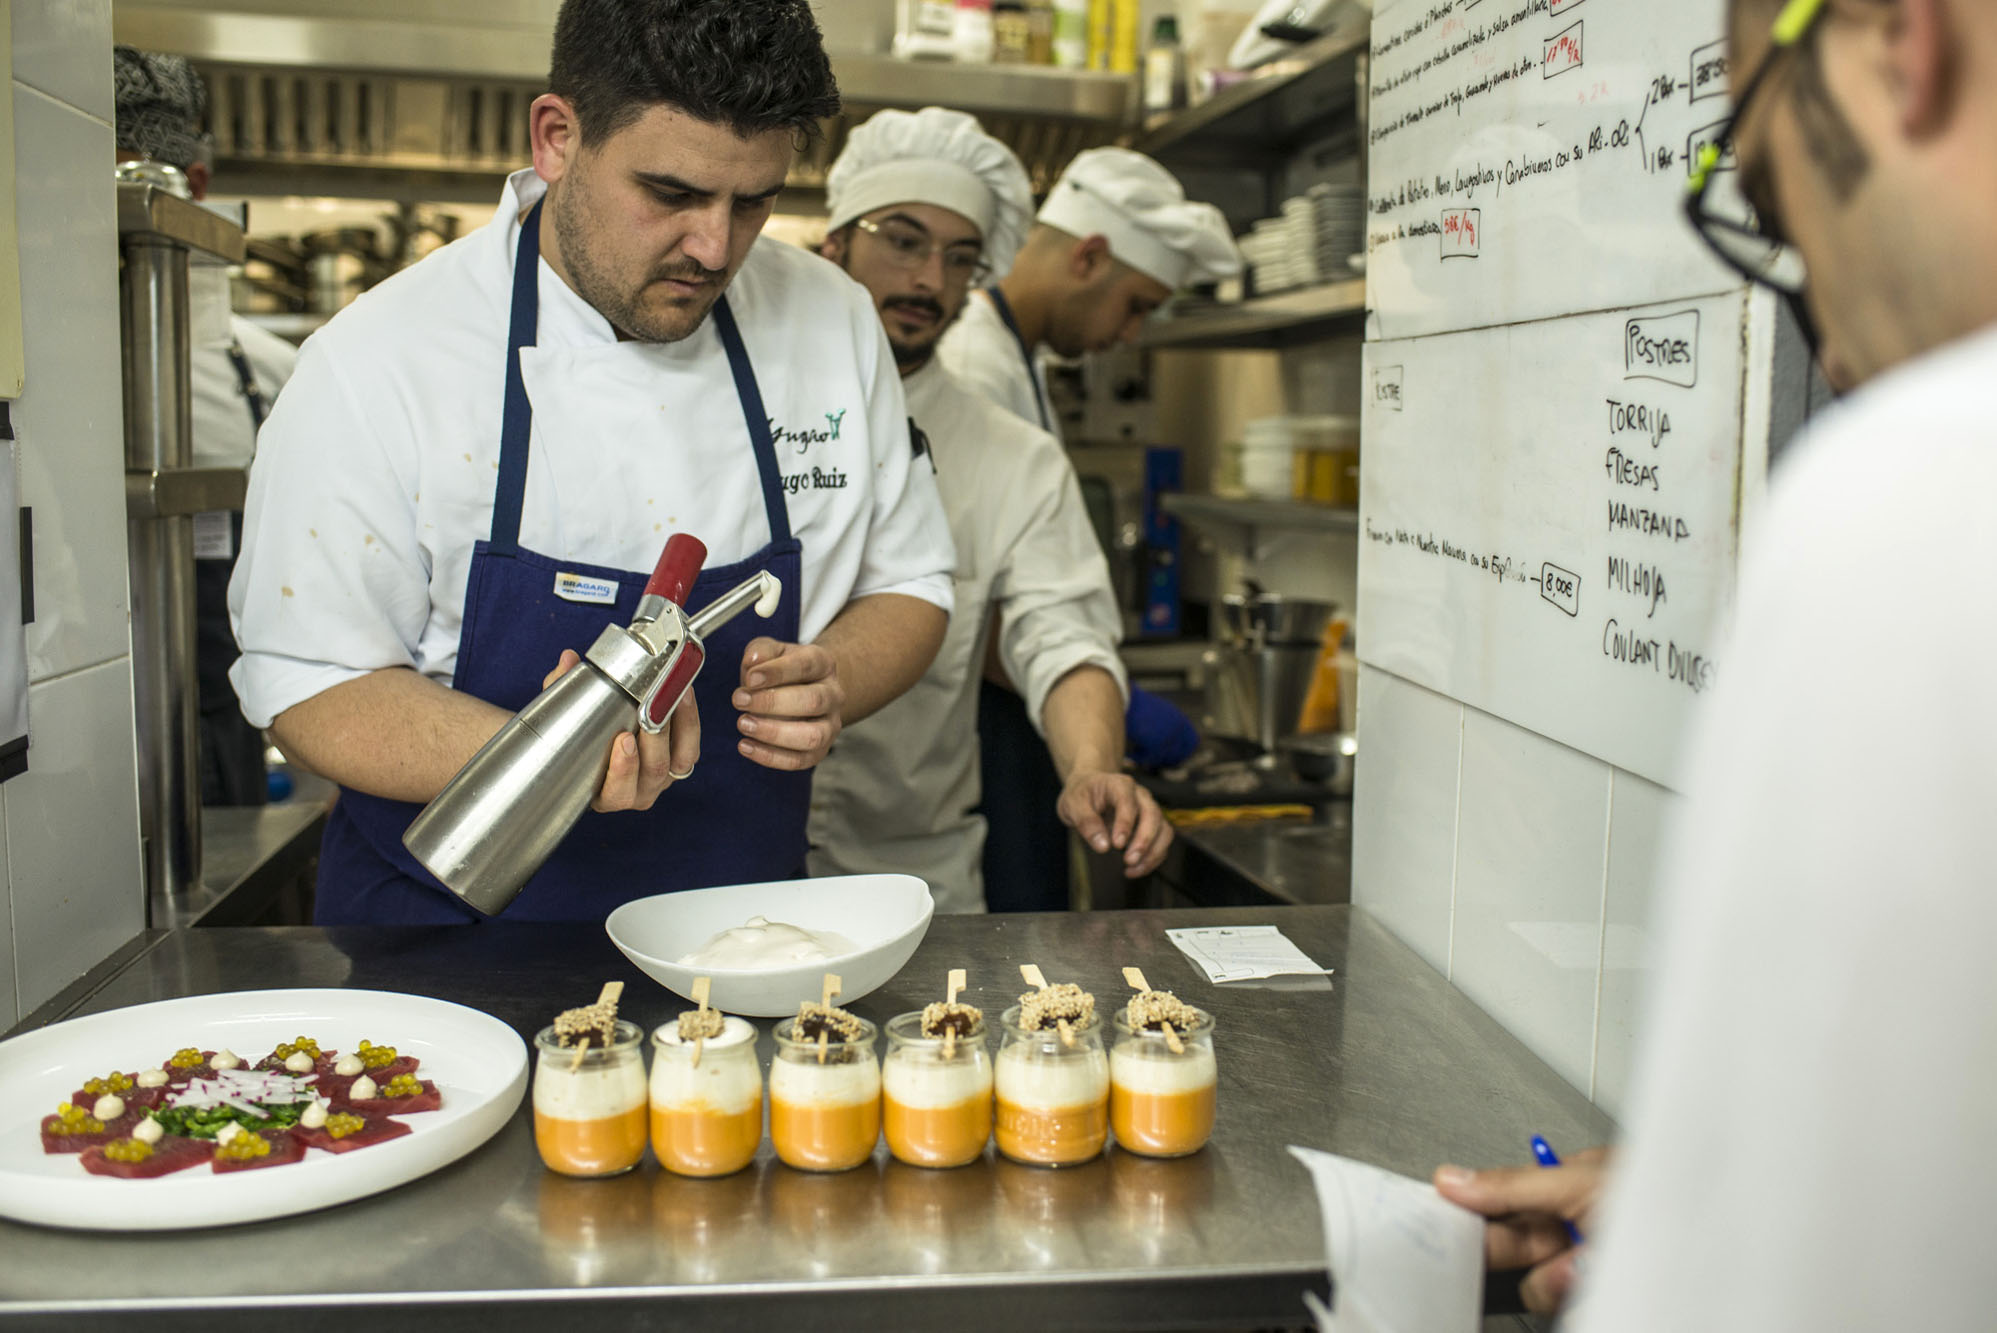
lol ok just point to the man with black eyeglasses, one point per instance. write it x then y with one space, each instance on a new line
1809 1143
924 205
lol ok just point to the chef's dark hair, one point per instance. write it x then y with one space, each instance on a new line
752 65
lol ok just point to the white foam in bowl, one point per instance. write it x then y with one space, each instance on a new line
885 916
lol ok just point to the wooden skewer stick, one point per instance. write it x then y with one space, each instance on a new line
1031 972
1134 978
955 984
831 989
701 987
608 995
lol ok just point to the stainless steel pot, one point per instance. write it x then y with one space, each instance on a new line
1327 757
1270 617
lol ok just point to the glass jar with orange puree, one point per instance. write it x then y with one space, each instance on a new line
1053 1091
1161 1084
589 1110
707 1095
936 1086
825 1101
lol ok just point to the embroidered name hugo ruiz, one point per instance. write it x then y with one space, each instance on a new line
817 479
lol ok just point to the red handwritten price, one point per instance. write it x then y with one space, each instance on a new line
1460 232
1563 53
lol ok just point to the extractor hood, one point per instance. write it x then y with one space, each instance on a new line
427 99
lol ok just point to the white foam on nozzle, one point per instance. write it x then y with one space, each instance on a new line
773 592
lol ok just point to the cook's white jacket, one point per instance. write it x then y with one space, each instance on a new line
374 475
898 790
223 434
980 350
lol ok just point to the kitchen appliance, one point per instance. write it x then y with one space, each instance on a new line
160 228
492 825
1261 668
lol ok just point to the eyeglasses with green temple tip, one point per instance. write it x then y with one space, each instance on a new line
1719 211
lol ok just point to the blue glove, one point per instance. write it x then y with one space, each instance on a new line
1157 733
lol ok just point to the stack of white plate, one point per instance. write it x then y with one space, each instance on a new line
1309 242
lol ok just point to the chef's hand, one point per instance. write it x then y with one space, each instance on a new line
643 765
1113 810
790 702
1528 1207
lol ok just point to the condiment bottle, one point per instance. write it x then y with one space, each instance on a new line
936 1092
1161 1085
1053 1094
825 1116
589 1106
707 1098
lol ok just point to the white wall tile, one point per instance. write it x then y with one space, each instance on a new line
1639 812
1529 874
63 48
10 1000
73 856
70 418
1404 810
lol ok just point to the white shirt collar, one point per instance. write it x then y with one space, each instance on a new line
565 318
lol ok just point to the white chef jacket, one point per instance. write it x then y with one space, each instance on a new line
375 473
1812 1134
223 436
982 352
897 792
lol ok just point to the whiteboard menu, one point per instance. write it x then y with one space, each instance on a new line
1548 519
1529 158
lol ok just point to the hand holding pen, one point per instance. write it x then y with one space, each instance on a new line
1536 1217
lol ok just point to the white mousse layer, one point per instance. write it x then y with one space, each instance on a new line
1025 1079
922 1080
814 1084
1161 1073
586 1093
726 1080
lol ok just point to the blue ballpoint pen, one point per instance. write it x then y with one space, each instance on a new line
1543 1150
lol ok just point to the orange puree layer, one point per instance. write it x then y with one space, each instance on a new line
1053 1136
1161 1124
600 1147
824 1138
700 1141
938 1135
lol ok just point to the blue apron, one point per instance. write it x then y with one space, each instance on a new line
733 822
1004 308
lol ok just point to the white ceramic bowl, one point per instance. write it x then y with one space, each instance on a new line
885 916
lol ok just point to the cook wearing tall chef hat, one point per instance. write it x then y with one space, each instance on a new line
478 462
235 370
1116 237
922 203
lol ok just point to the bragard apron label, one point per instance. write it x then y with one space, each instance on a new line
582 588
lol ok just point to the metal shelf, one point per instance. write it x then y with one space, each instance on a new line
1266 321
1263 118
1248 517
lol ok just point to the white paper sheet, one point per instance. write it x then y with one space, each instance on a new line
1403 1259
1242 953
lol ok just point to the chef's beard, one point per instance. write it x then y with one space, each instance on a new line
663 322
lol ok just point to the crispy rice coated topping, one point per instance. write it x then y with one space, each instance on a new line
697 1023
814 1018
1046 1008
938 1018
1152 1009
598 1022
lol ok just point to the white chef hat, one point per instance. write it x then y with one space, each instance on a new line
1142 211
934 156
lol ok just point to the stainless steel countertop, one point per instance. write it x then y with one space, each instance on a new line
1302 862
1384 1062
247 853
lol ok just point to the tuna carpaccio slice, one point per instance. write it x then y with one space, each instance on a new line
285 1148
170 1154
427 1100
55 1141
377 1129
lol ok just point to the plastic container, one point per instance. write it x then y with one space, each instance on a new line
935 1107
1011 33
1161 1101
825 1117
707 1118
589 1113
1268 453
1052 1098
973 33
925 30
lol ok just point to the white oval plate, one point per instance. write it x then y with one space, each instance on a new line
478 1063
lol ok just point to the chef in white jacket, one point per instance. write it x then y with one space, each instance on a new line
478 462
921 205
1116 237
